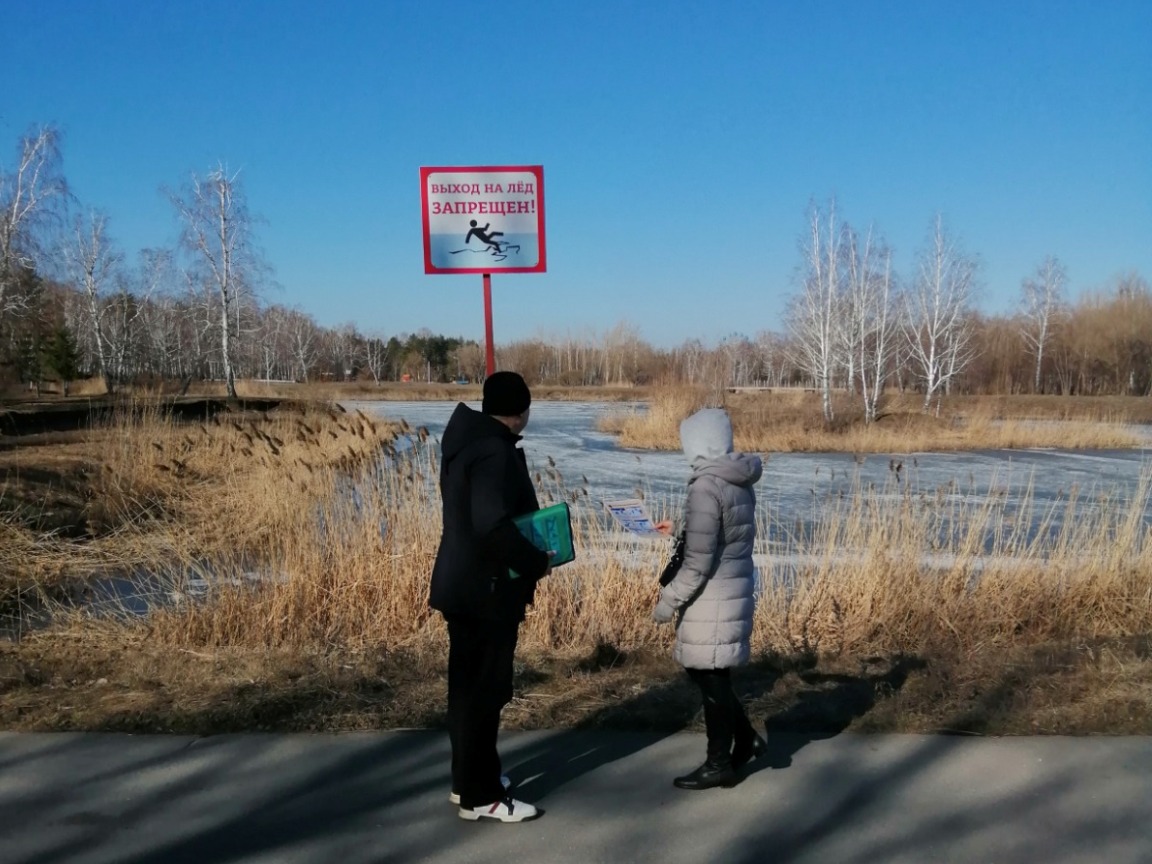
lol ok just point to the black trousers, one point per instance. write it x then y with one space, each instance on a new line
724 717
479 686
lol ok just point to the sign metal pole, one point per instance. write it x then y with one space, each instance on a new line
489 348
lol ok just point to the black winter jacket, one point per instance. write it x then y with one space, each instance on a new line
484 483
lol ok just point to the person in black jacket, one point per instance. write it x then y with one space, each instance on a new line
484 484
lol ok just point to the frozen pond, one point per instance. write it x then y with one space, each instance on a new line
795 493
796 486
566 432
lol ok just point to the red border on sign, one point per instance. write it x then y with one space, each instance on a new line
536 170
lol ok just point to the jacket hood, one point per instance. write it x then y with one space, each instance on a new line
739 469
466 426
707 434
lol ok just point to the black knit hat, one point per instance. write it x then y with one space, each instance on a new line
505 395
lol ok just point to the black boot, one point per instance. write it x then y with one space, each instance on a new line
748 749
711 774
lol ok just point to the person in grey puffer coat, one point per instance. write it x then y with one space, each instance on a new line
714 591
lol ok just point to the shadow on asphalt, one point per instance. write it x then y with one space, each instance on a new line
636 722
217 780
828 708
570 753
824 710
168 800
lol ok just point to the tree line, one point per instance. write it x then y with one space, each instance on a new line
72 304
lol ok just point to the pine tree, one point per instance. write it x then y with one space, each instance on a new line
61 356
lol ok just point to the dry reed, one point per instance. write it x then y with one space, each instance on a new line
941 573
880 571
791 421
657 426
318 530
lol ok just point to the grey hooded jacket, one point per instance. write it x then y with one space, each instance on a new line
714 591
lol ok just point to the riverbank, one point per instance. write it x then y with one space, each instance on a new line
114 680
289 604
121 486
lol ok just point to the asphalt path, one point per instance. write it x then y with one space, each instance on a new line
605 796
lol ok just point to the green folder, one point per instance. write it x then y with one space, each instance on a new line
549 529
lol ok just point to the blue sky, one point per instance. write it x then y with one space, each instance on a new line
681 141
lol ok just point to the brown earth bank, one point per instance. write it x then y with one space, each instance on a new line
21 419
49 461
117 682
84 483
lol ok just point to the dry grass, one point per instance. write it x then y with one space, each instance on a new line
649 429
351 569
148 491
908 573
791 421
314 535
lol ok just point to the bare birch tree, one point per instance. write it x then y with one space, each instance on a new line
29 194
196 326
152 283
814 315
937 324
775 362
873 316
303 336
92 262
620 353
691 360
374 353
161 324
272 343
1043 296
217 227
125 312
342 343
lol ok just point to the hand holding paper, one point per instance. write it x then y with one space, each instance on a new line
631 514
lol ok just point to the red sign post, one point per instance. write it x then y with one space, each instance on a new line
484 220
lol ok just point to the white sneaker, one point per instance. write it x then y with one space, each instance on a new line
505 781
505 810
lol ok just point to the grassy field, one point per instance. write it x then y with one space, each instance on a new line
1041 632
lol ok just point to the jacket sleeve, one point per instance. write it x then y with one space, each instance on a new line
702 532
492 521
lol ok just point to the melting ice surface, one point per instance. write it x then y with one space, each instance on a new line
797 487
